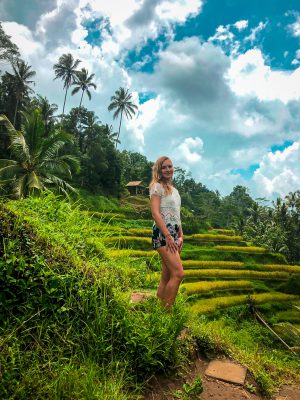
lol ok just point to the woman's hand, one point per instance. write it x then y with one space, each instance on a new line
170 244
180 243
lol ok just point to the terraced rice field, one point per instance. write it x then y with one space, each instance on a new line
221 269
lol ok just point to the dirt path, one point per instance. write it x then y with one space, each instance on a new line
163 388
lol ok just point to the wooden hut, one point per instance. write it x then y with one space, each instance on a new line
136 188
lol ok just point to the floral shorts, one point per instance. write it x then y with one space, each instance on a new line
158 239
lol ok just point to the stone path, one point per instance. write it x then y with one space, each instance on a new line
227 371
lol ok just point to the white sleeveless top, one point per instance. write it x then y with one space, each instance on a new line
169 205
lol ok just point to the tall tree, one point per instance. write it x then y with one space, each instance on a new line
36 162
21 81
122 104
47 111
82 81
111 134
8 50
66 70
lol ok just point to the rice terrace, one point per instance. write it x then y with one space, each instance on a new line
71 330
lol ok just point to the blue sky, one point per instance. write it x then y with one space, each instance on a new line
217 82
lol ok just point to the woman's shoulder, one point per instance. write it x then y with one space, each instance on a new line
156 188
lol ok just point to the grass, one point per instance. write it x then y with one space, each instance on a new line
67 314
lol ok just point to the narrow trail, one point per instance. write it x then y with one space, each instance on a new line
162 388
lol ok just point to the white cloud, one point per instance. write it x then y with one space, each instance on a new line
190 150
247 156
249 75
222 34
144 120
279 172
255 31
178 11
23 38
295 27
241 25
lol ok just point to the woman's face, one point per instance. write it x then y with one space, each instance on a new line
167 169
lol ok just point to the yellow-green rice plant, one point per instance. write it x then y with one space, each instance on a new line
295 269
246 249
207 286
104 216
106 228
234 274
198 264
213 237
130 253
222 231
140 243
140 232
211 305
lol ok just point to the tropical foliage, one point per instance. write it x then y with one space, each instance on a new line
121 103
36 162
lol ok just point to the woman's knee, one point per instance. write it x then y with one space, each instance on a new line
178 274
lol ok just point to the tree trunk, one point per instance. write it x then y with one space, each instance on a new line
119 128
81 99
65 100
16 110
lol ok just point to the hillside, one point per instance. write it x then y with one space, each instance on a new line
68 275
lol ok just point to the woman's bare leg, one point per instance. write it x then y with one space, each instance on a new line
173 264
165 276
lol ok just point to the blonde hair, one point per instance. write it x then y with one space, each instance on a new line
157 175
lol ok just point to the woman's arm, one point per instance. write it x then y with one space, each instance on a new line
180 237
155 210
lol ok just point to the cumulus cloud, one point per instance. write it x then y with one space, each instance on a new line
191 76
25 12
241 25
190 150
250 75
295 27
278 173
256 31
23 38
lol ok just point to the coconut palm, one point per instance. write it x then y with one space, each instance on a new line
83 81
121 103
47 112
109 130
35 162
66 70
21 80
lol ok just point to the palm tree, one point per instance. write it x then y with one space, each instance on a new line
22 79
47 112
65 69
83 81
109 130
35 162
121 103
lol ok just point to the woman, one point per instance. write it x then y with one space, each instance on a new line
167 235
